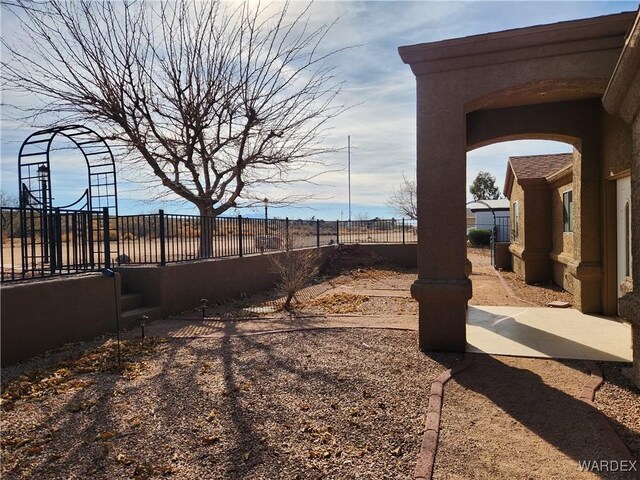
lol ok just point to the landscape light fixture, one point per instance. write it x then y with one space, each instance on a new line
107 272
205 303
43 177
266 215
143 322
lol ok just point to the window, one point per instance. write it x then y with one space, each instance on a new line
567 211
516 221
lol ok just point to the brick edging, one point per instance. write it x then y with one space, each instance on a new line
429 445
599 419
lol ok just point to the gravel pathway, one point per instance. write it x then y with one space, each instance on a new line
509 417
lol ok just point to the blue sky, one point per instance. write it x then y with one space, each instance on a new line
380 88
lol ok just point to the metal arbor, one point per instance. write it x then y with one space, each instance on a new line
34 175
85 221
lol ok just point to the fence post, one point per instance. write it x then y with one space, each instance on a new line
287 240
337 232
403 231
240 235
163 248
58 239
105 239
318 233
51 224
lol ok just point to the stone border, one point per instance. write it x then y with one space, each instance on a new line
597 418
429 445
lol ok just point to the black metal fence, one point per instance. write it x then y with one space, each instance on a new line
38 244
502 231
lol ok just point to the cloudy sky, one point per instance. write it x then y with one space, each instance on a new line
381 90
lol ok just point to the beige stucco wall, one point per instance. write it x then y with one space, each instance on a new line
517 244
531 252
562 242
616 146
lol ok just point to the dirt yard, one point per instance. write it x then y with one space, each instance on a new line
331 404
341 403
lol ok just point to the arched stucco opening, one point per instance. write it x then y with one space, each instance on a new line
532 238
575 263
476 90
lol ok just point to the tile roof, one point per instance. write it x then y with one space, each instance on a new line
539 166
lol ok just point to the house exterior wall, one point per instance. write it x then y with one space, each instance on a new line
537 242
622 99
531 251
562 242
616 146
517 243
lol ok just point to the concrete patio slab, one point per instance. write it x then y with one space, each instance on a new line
547 333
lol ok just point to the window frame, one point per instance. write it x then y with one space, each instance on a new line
567 211
516 220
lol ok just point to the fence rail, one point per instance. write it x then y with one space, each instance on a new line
37 244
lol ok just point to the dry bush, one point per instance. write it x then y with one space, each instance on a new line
295 269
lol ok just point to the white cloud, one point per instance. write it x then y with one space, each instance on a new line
382 89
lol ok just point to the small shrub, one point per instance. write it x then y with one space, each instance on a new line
295 269
479 236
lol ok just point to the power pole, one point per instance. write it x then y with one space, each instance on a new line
349 171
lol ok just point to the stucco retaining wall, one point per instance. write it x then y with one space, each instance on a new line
180 286
39 316
403 255
42 315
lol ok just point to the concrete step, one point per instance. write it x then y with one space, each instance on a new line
130 318
131 301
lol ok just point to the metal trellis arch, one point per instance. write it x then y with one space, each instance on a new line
84 226
34 172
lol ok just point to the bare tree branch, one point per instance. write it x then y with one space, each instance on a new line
403 201
216 99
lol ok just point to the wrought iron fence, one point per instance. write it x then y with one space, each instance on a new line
36 244
39 243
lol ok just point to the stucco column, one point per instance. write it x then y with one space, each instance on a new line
630 303
442 289
586 266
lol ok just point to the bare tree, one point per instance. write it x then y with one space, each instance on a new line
403 201
295 269
219 99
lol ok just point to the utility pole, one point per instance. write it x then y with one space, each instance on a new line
349 171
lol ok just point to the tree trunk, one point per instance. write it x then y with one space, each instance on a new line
287 302
207 228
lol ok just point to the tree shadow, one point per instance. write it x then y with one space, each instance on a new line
553 415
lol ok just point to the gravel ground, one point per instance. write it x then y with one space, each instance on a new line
508 417
333 404
488 290
316 404
619 399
